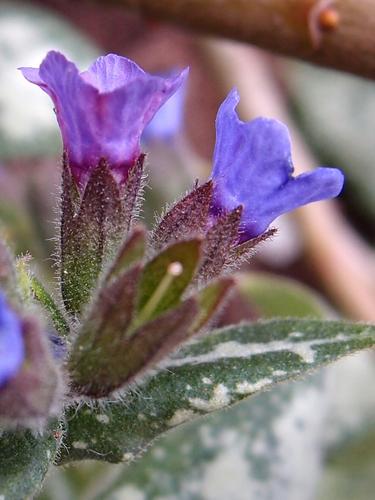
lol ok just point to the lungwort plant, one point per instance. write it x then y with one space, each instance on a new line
126 349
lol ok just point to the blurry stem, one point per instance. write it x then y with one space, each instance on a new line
343 261
334 33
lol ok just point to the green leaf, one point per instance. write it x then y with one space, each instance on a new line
212 373
242 453
24 461
186 253
276 296
45 299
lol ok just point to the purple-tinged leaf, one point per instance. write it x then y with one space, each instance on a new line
99 347
149 344
237 310
160 337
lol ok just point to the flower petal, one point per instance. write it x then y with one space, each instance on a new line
320 184
250 150
110 72
125 112
32 75
75 101
11 342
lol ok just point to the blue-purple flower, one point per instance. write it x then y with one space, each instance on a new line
103 111
253 167
12 350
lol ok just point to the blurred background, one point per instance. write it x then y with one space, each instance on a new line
309 440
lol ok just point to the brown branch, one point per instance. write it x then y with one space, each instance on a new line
335 33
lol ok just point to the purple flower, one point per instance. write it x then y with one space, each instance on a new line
103 111
12 351
253 167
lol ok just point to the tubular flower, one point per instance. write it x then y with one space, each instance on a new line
12 350
253 167
103 111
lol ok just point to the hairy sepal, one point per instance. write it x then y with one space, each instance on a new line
218 244
245 251
132 192
86 236
94 224
187 218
